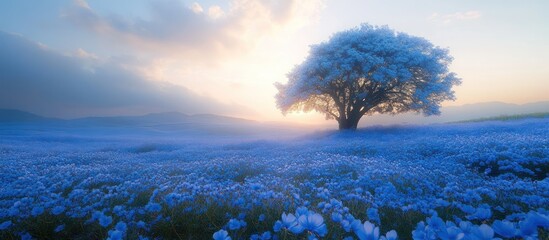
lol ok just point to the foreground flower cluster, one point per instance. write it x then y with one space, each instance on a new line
462 181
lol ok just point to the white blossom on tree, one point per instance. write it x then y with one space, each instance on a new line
369 70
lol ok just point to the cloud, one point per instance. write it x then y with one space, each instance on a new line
37 79
215 12
175 27
457 16
196 8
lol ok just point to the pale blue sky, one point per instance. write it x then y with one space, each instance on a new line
231 52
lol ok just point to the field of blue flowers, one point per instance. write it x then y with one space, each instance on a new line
452 181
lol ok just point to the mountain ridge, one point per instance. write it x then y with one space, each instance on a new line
448 114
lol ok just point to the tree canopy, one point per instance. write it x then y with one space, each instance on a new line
367 70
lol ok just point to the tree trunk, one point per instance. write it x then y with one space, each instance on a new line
348 124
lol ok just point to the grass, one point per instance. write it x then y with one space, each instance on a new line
507 117
42 227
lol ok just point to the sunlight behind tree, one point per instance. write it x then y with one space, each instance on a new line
369 70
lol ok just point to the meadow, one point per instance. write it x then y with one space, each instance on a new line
479 180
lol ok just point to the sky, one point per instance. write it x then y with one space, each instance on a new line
68 59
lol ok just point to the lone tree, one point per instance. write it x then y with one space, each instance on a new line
369 70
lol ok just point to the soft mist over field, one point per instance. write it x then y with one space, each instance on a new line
274 120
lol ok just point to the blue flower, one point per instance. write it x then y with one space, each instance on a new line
221 235
337 217
5 225
301 211
115 235
26 236
141 224
504 228
466 227
528 228
391 235
346 225
484 232
290 222
153 207
538 219
59 228
467 208
121 226
171 199
366 231
436 223
117 209
313 222
373 215
481 213
96 215
261 217
311 237
37 210
278 226
57 210
451 233
266 236
423 232
235 224
105 221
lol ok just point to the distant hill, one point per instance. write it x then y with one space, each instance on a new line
180 122
492 109
158 123
459 113
508 117
160 119
149 119
13 116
